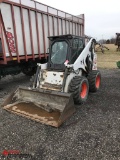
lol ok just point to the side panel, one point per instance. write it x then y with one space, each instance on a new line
51 25
60 26
64 28
34 32
68 27
55 26
73 28
40 27
27 25
19 30
27 31
71 32
46 32
16 1
8 25
28 3
76 29
79 30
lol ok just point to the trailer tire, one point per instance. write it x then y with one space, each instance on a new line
94 79
79 86
29 71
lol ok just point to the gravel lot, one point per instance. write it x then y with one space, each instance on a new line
92 133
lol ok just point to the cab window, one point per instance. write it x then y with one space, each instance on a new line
59 52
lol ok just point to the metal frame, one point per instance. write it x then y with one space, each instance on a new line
40 55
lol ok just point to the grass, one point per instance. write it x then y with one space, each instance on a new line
109 58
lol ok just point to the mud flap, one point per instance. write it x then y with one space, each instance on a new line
49 107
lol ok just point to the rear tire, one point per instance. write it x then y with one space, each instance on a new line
29 71
94 79
79 87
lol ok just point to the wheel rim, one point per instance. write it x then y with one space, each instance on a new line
98 81
83 90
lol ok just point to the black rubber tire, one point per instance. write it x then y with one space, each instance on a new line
29 71
75 87
94 79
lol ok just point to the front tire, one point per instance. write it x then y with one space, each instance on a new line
79 87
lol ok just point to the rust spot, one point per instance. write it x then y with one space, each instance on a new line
61 76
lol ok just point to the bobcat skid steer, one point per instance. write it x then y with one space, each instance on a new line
67 78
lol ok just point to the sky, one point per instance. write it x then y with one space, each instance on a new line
102 17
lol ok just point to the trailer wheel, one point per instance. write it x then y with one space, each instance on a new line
94 79
79 87
29 71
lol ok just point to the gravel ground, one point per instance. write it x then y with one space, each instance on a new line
92 133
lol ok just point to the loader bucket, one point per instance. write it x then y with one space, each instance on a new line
49 107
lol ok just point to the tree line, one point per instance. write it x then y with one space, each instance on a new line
107 41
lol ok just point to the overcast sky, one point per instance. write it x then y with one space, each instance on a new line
102 17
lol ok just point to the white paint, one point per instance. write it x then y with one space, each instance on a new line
7 54
34 32
41 7
7 18
28 3
16 1
52 77
43 66
80 63
27 32
19 30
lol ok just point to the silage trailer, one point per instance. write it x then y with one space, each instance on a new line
25 26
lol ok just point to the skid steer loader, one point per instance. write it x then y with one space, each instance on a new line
71 72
